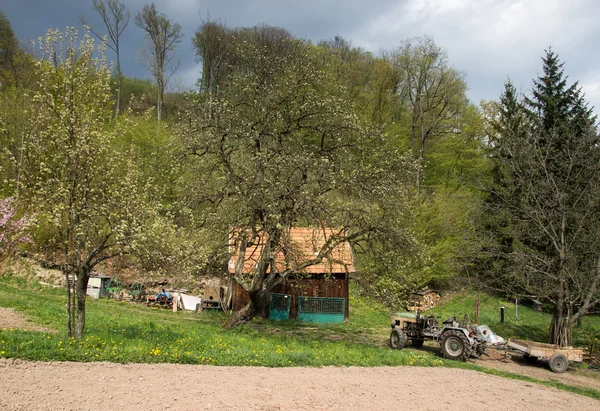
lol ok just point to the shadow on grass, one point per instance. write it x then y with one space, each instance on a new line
378 337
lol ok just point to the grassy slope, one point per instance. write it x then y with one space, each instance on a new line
125 332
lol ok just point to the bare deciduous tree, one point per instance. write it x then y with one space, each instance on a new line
116 19
211 44
163 35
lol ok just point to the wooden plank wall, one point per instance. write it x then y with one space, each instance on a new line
316 285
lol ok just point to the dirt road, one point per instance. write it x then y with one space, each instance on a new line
99 386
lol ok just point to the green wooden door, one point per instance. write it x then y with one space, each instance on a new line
280 306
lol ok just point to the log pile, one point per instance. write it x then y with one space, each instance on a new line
423 300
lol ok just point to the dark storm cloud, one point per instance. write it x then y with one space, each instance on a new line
490 40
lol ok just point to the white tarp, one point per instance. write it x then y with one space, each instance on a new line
485 333
189 301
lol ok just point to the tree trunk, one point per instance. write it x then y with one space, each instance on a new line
118 86
158 106
82 283
560 326
258 302
242 316
70 318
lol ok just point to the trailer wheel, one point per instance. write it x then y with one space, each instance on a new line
558 363
417 342
397 339
455 345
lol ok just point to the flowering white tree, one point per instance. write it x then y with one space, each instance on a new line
85 190
280 147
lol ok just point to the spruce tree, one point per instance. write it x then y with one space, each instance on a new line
546 191
508 127
554 105
8 42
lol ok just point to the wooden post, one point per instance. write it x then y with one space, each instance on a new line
477 310
176 303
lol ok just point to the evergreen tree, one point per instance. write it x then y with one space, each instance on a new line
8 42
556 106
507 127
546 187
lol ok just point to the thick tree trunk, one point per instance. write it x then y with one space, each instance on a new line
241 317
560 326
82 283
258 302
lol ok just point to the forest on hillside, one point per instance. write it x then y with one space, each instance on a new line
99 170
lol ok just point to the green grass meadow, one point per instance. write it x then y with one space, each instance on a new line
124 332
127 332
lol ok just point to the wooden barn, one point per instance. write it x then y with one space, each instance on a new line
318 294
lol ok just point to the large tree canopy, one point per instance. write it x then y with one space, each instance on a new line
280 146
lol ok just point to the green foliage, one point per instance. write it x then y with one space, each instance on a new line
75 179
216 44
546 186
447 229
137 95
17 78
9 44
87 193
555 105
15 116
280 146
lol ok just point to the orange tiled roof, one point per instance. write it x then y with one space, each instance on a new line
306 242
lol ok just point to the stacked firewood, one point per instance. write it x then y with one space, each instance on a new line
423 300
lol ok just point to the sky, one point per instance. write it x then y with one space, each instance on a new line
489 40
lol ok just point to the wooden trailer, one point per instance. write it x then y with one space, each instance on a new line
558 357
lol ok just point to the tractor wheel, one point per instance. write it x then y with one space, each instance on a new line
455 345
397 339
558 363
417 342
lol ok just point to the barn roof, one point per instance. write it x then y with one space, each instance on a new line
306 242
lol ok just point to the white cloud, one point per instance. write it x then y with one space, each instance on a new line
592 94
506 31
492 40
